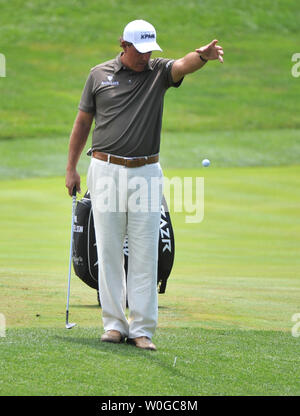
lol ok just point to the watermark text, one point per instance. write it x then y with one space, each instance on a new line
2 65
140 194
296 67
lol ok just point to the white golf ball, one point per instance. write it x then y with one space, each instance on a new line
205 163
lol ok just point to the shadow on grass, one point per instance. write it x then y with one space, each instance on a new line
128 351
87 306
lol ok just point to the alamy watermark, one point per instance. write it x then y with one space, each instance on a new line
140 194
296 327
2 325
296 68
2 65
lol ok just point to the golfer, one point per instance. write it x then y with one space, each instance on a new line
125 98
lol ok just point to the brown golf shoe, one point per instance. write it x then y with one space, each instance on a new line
112 336
142 342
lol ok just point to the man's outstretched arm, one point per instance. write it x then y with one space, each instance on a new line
78 140
192 61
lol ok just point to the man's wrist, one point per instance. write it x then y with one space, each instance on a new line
71 169
202 58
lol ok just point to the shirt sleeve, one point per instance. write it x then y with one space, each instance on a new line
87 102
166 71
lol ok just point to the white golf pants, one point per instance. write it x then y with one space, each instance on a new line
127 201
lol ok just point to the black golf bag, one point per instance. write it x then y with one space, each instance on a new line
85 258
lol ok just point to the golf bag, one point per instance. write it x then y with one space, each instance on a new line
85 257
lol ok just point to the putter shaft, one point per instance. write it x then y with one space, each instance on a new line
70 256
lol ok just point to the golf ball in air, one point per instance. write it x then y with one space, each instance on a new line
205 162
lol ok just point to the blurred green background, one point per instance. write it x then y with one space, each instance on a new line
245 112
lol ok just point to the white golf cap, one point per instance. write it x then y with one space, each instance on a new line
142 35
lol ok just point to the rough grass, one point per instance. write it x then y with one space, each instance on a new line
51 46
31 157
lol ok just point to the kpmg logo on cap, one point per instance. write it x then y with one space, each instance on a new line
147 35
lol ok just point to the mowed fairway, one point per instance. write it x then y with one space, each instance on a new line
225 321
226 314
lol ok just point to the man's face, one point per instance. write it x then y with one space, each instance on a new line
136 60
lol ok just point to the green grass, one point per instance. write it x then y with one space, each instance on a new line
30 157
234 287
51 46
209 362
226 314
241 256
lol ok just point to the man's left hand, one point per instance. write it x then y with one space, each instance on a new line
211 51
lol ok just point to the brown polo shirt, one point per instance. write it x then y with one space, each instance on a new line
127 105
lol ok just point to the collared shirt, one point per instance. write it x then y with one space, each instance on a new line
127 106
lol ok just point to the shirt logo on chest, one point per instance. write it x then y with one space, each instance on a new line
110 81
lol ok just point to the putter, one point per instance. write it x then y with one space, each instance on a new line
71 325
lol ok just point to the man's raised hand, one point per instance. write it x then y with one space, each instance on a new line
211 51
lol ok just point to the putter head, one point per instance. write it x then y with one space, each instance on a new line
69 326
